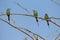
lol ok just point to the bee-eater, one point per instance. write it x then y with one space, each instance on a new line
8 13
35 15
46 17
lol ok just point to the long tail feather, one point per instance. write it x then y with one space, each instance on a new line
8 17
37 21
47 23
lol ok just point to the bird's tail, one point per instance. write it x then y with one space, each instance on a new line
48 24
8 17
37 21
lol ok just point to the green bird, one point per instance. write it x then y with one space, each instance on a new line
8 13
46 17
35 15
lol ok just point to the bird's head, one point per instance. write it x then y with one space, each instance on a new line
8 9
46 14
34 10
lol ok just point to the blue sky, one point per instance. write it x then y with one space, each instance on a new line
9 33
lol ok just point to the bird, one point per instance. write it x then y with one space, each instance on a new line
35 13
46 17
8 13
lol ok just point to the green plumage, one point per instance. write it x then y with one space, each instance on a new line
35 15
8 13
46 17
